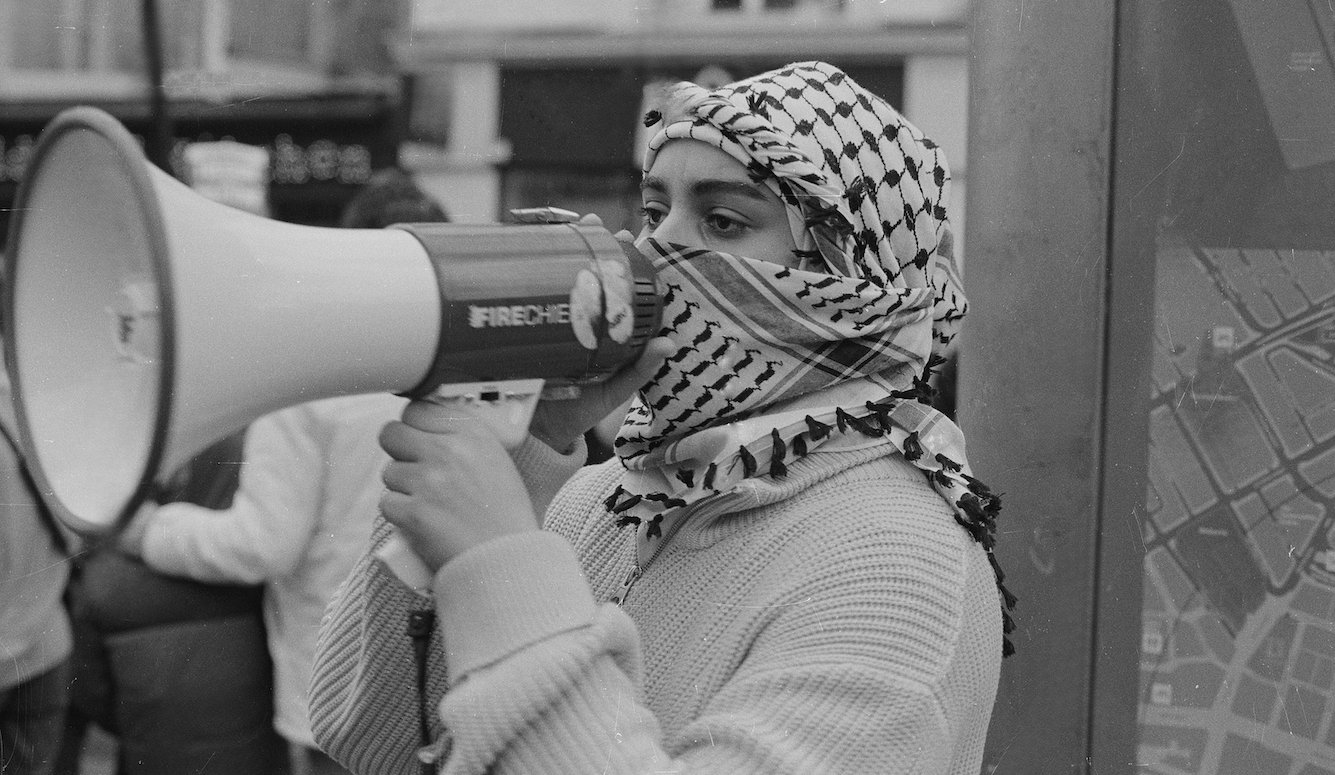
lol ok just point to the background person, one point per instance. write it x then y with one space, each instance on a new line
390 197
35 634
301 513
175 669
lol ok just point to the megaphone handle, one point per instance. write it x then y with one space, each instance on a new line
505 406
404 563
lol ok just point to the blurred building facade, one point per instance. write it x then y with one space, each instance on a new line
491 105
519 104
312 82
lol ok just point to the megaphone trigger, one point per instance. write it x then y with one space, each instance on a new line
505 407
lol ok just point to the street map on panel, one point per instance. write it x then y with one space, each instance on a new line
1238 639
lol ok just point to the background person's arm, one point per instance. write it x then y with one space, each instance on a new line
268 526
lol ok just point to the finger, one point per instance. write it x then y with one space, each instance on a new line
655 352
446 416
399 441
396 508
590 220
399 477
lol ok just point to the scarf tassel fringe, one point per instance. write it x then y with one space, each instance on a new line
981 523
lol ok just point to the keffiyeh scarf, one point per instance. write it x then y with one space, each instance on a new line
775 363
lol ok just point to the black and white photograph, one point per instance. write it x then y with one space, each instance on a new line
649 387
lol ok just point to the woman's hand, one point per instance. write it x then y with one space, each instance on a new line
450 483
557 423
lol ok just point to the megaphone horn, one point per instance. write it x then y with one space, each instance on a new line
143 321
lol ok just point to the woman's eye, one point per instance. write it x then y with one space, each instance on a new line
724 225
652 216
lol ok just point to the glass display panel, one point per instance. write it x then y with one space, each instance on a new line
1226 148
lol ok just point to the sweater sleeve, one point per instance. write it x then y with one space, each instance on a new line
265 532
364 699
544 470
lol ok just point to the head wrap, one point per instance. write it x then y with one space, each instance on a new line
775 363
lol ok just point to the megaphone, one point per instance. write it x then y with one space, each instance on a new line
142 321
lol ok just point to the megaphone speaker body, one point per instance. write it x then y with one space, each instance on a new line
143 321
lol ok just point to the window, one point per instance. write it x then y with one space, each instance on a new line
55 44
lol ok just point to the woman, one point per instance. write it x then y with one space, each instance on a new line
787 568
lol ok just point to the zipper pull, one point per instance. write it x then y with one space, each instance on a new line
631 578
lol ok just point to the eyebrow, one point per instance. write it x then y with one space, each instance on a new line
710 186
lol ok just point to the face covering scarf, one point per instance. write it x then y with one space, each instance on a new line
775 363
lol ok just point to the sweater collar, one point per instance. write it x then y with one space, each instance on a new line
758 492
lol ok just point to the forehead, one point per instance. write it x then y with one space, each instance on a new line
694 159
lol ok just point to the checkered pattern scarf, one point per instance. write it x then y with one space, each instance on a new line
775 363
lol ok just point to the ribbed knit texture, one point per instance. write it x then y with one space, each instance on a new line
839 621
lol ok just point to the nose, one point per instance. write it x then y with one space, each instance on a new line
676 228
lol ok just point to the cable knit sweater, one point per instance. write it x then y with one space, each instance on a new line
834 621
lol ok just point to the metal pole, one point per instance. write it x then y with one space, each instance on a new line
158 141
1031 359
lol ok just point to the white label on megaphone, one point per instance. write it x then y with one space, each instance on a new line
135 322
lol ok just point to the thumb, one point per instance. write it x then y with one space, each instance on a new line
631 379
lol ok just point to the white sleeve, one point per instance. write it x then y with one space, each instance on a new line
267 528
